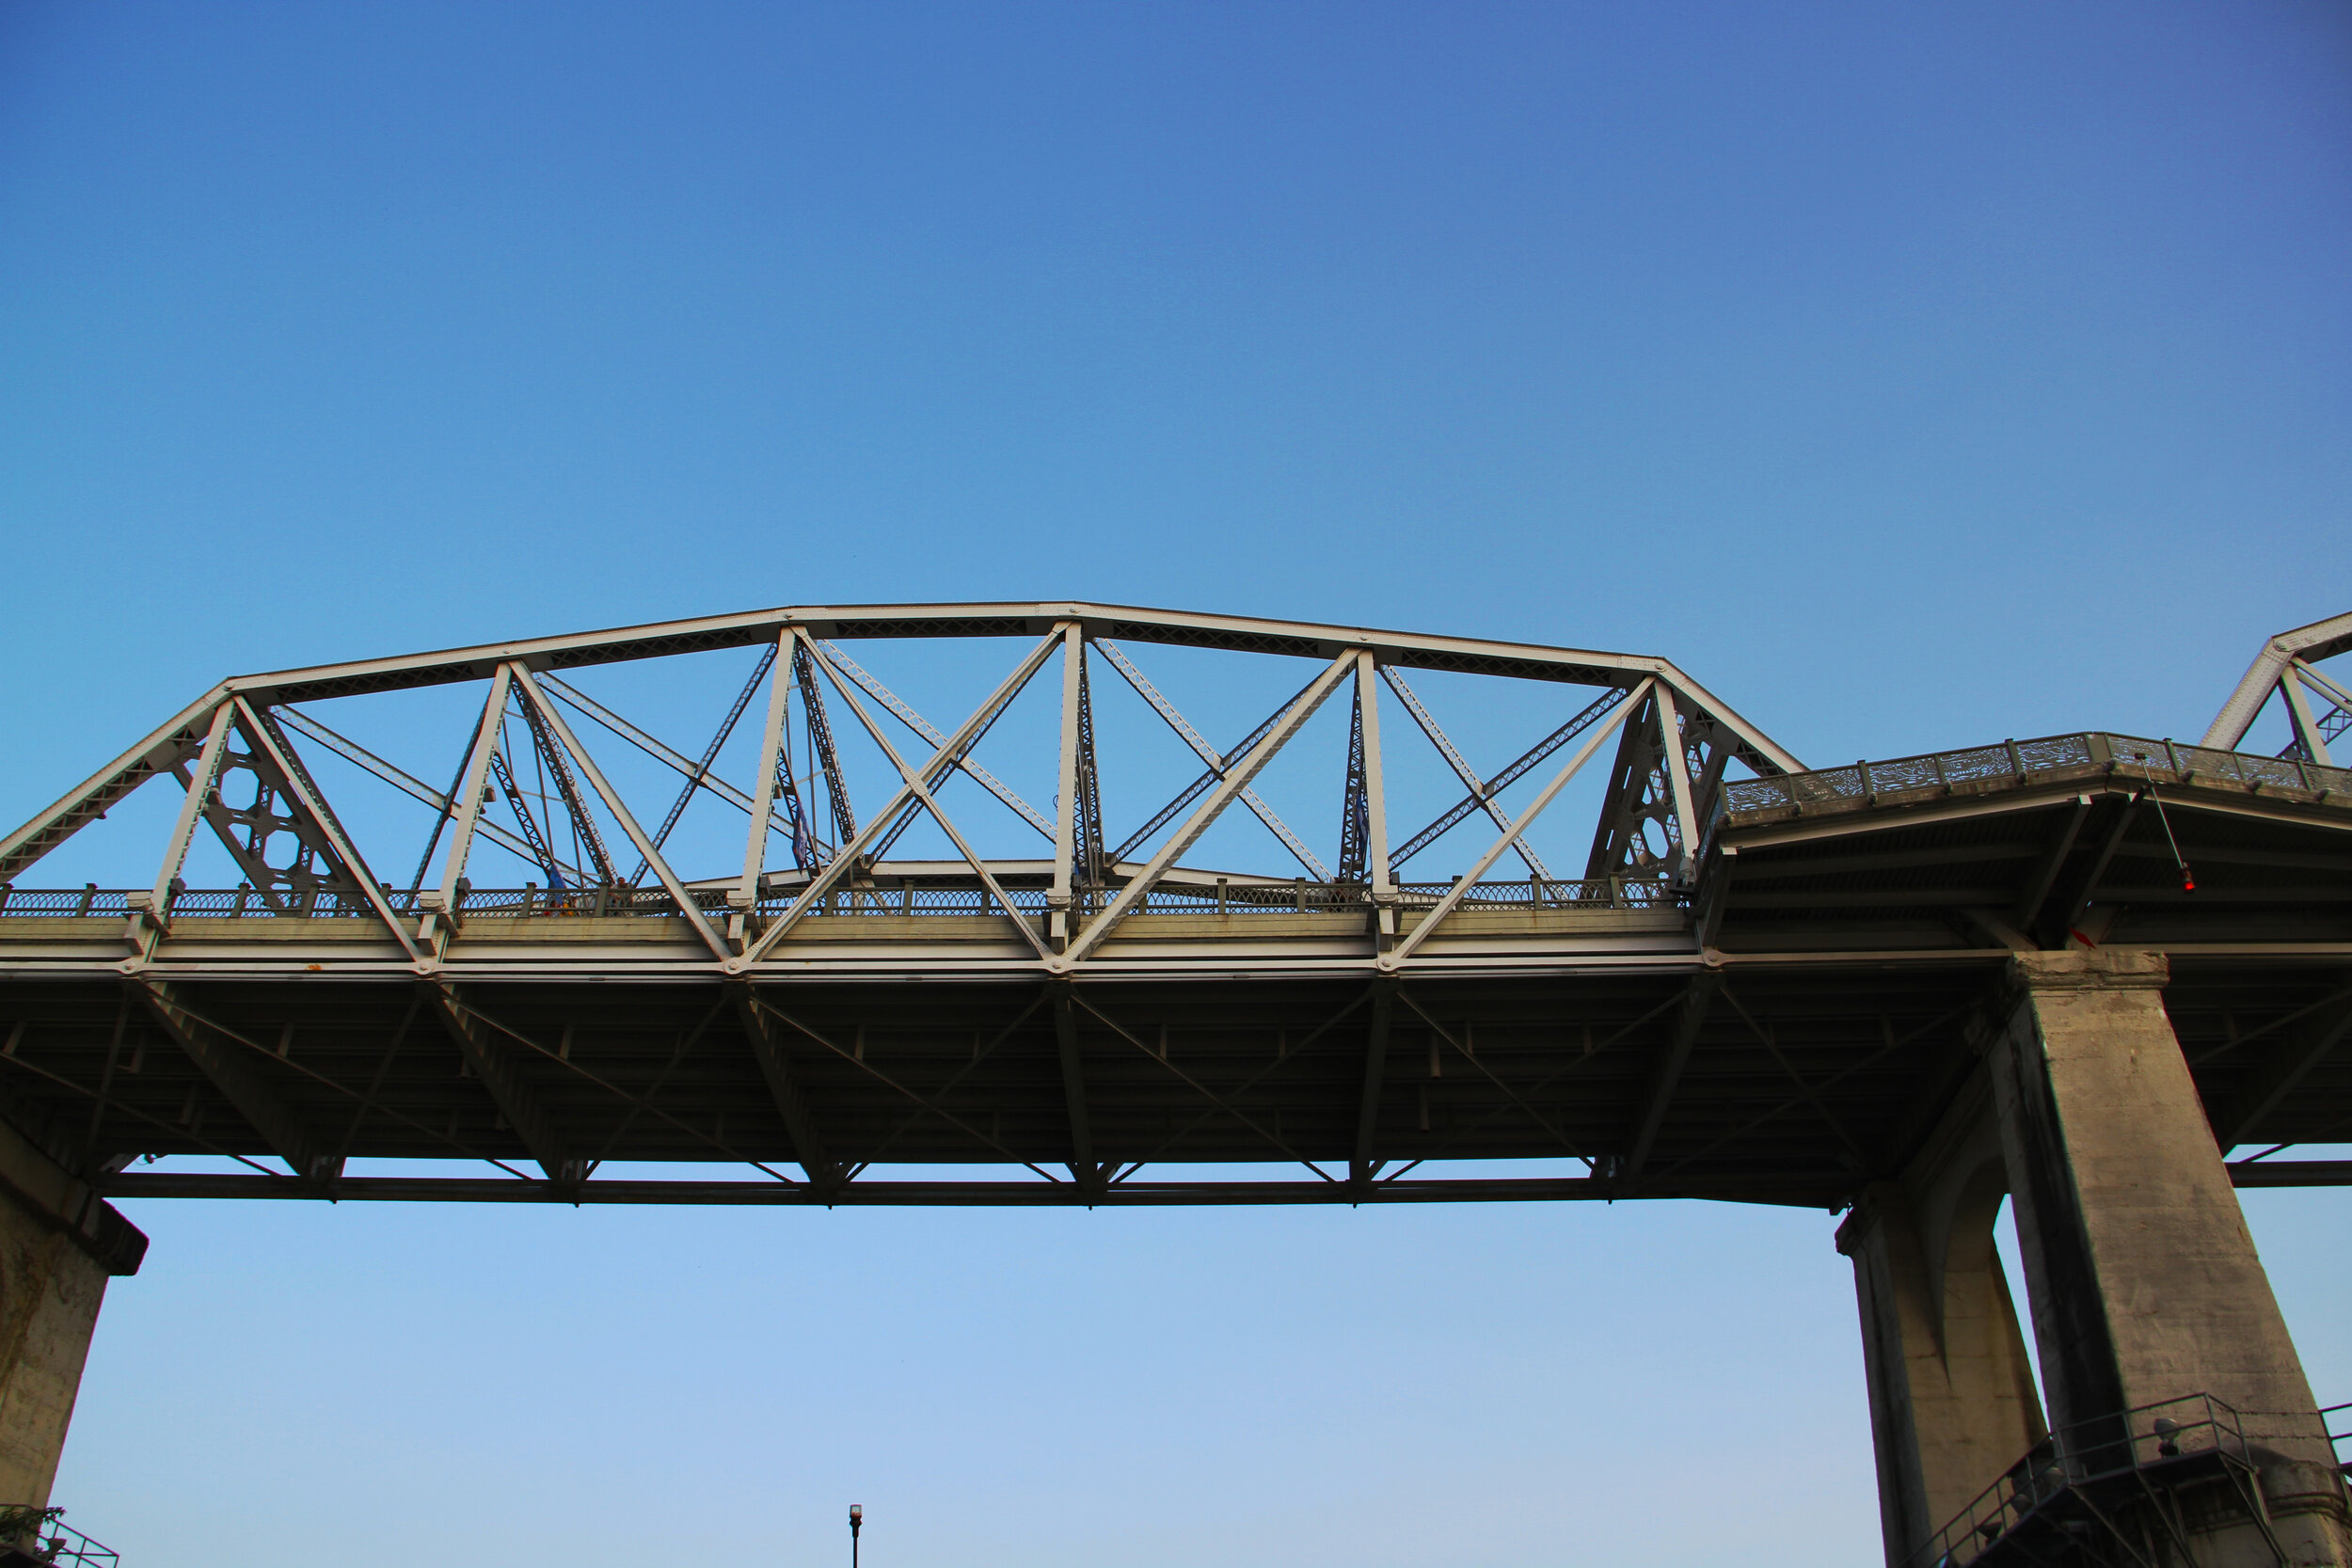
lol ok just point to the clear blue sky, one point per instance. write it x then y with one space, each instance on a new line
1913 375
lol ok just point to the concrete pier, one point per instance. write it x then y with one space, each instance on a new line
1952 1399
59 1245
2143 1282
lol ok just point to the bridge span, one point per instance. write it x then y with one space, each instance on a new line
828 952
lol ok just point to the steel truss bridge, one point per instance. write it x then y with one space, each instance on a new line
1762 983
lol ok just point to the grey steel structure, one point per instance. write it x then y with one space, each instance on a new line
1768 984
1756 989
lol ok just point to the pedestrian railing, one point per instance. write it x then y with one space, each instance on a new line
2011 763
886 895
2194 1429
31 1534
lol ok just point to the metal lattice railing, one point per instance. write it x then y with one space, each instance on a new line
2020 762
2171 1431
900 896
38 1535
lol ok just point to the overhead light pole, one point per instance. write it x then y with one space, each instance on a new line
857 1521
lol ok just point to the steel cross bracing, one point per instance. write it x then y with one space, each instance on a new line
1097 1021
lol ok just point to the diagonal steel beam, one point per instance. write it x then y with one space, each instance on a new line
1192 791
1665 1076
966 736
228 1065
1674 759
1483 794
1453 897
1446 820
613 802
2078 894
773 762
2036 887
583 822
176 742
980 1053
683 765
702 769
1073 1089
923 798
916 723
473 783
820 736
1236 780
1219 765
269 741
495 1063
1464 1051
2308 736
857 1060
1191 1082
775 1065
1804 1089
200 788
2282 1069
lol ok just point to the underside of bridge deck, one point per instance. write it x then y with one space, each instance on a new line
2083 971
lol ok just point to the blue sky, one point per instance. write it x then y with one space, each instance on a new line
1913 376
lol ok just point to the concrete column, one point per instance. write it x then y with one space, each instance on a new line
1952 1401
59 1244
2145 1284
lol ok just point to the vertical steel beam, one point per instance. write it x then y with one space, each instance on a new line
764 787
1361 1168
1066 806
820 736
1678 769
1375 791
2307 733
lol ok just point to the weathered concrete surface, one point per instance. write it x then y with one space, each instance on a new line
2145 1283
1952 1400
58 1243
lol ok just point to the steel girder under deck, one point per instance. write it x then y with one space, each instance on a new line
1762 989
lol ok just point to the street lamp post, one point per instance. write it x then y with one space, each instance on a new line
857 1521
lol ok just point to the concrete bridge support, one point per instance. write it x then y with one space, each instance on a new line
59 1244
2143 1281
1952 1400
